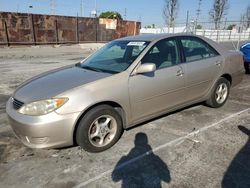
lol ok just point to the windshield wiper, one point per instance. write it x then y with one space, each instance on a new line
91 68
95 69
78 64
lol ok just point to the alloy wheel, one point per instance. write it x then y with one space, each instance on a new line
102 131
221 93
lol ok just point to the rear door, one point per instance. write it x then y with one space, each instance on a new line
203 64
154 92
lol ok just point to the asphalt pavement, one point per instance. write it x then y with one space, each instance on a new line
193 147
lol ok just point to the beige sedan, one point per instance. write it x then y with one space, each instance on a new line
128 81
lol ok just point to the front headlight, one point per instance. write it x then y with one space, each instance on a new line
43 107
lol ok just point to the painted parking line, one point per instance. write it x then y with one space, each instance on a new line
173 142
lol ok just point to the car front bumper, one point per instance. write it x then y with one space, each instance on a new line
52 130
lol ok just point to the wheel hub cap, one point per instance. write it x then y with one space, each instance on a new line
102 131
221 93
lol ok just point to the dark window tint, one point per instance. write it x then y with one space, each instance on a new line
196 49
163 54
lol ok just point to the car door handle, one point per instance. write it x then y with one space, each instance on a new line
179 73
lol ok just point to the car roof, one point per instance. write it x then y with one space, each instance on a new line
156 37
153 37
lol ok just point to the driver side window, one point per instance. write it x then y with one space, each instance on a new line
163 54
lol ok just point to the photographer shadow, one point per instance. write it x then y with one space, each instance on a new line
238 173
141 167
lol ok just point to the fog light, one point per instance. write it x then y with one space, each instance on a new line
37 140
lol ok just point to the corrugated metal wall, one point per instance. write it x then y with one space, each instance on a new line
21 28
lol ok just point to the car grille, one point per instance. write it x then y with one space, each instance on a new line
17 104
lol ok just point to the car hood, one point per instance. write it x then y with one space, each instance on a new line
54 82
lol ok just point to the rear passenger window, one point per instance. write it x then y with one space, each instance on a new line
195 49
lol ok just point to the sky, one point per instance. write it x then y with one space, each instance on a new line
147 11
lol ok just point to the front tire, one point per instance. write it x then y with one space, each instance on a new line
99 129
219 93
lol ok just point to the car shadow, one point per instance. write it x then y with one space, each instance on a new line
141 167
165 115
238 172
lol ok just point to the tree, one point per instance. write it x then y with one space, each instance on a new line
230 27
170 12
111 15
153 26
219 11
247 17
198 26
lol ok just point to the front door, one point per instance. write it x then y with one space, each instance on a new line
154 92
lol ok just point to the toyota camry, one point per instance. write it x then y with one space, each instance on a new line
128 81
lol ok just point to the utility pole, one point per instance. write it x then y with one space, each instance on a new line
125 14
225 23
94 12
139 18
81 8
187 20
198 12
95 6
52 6
96 22
17 8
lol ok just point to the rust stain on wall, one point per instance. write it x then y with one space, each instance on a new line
21 28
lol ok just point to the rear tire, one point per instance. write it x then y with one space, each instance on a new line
99 129
219 94
246 65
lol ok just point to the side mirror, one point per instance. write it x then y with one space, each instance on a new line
145 68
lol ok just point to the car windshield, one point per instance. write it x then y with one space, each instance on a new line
115 57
